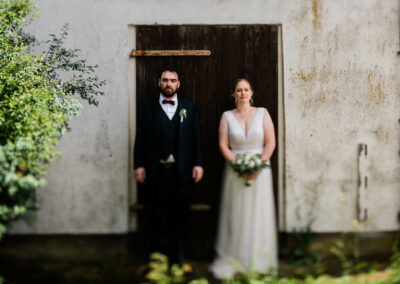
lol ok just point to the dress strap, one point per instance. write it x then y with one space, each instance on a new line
260 113
228 115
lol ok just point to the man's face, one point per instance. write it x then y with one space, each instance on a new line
169 83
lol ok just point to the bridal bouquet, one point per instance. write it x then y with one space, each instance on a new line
247 164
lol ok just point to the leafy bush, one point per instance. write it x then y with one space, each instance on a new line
35 106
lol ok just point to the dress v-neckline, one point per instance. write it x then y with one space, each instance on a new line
250 127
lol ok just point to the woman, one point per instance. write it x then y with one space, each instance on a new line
247 231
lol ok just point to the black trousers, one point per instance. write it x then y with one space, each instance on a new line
170 214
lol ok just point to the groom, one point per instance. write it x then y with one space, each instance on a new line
168 159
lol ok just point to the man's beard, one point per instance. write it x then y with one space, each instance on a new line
167 95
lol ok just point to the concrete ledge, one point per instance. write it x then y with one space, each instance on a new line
67 247
88 247
371 244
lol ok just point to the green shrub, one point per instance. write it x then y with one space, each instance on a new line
35 106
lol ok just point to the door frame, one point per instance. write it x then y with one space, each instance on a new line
132 186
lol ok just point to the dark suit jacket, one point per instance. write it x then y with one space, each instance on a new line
147 142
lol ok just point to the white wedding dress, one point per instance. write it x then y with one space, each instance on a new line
247 237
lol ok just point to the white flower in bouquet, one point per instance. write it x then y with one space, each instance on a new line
247 164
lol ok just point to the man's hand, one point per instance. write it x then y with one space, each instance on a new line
197 173
140 174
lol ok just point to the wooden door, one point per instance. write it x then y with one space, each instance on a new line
237 51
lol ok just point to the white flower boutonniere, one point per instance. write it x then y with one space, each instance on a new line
182 114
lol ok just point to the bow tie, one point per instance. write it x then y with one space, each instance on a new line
168 102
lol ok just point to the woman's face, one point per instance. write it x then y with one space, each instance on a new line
243 92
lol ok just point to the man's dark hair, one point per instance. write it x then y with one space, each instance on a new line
170 69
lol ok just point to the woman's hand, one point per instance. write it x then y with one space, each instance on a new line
252 176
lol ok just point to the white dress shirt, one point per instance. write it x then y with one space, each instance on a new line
168 108
170 112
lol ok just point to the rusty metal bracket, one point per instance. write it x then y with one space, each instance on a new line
362 204
137 53
193 207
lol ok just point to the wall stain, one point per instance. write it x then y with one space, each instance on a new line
321 96
375 92
307 77
303 15
102 143
304 43
315 7
380 93
387 18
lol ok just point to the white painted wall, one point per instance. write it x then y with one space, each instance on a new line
341 88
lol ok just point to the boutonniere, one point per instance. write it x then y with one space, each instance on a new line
182 114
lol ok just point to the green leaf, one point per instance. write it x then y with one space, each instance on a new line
12 190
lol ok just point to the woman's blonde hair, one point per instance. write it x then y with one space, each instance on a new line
234 88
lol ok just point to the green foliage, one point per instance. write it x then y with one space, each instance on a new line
82 79
199 281
35 106
161 272
300 253
252 277
395 259
348 252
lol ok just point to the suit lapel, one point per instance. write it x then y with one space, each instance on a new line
180 129
178 109
157 111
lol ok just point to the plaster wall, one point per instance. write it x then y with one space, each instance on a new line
341 87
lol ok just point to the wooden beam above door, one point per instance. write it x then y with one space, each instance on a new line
136 53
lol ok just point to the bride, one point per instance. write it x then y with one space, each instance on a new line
246 238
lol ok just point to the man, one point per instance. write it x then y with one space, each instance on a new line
168 158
